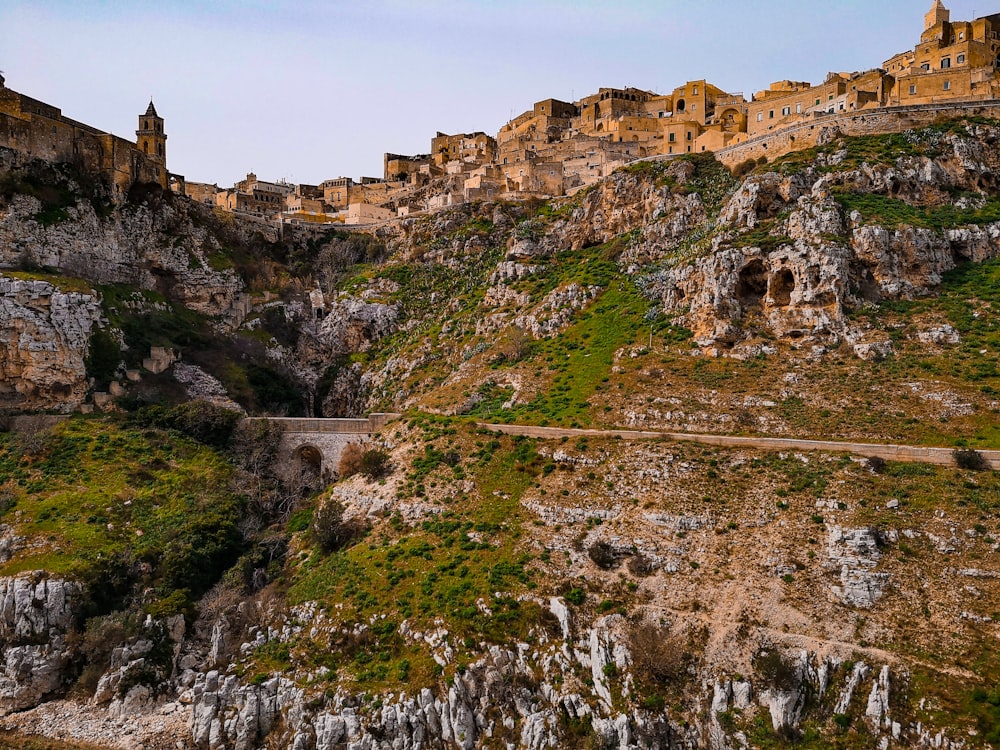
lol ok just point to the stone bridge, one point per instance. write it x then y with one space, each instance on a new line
319 443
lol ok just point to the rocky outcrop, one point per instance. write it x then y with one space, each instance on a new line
44 337
855 554
808 263
159 249
36 613
351 325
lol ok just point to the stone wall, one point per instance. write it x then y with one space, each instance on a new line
876 121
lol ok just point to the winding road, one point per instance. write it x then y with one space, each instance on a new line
911 453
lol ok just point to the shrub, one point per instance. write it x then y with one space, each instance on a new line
576 596
969 458
603 554
350 460
374 463
208 424
640 565
658 655
876 464
744 168
329 529
104 355
778 671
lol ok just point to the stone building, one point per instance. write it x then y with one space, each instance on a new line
40 130
953 60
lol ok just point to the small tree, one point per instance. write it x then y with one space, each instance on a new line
659 656
329 529
350 460
603 554
374 463
969 458
640 565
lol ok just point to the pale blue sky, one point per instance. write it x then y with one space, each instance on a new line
313 90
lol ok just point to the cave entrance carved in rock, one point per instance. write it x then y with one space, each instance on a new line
751 285
782 286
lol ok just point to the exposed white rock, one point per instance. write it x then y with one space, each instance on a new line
855 554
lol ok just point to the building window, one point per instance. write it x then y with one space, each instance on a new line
925 66
798 108
945 63
671 139
913 88
960 59
817 102
785 111
689 135
947 85
961 35
830 98
694 91
770 115
694 106
760 117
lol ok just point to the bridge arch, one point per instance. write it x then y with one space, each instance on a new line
309 460
316 445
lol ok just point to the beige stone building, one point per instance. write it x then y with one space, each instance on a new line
953 60
30 126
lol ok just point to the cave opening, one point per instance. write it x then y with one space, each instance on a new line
751 286
782 286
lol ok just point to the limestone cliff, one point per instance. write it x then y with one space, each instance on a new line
44 335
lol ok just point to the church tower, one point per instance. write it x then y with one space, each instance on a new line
937 14
150 137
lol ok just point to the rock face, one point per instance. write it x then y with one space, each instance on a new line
44 335
157 249
785 257
35 614
854 553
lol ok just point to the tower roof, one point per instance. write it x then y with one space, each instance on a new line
151 110
937 14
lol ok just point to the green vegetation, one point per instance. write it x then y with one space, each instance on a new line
106 496
464 565
710 178
891 212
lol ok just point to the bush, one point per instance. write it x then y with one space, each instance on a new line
968 458
208 424
374 463
640 565
778 671
576 596
350 460
104 355
876 464
603 554
744 168
329 529
658 655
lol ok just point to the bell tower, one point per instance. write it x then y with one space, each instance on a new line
150 138
937 14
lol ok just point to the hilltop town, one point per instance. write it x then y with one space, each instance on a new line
556 147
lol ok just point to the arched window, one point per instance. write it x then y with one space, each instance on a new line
145 147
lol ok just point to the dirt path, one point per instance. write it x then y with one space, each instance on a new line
912 453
